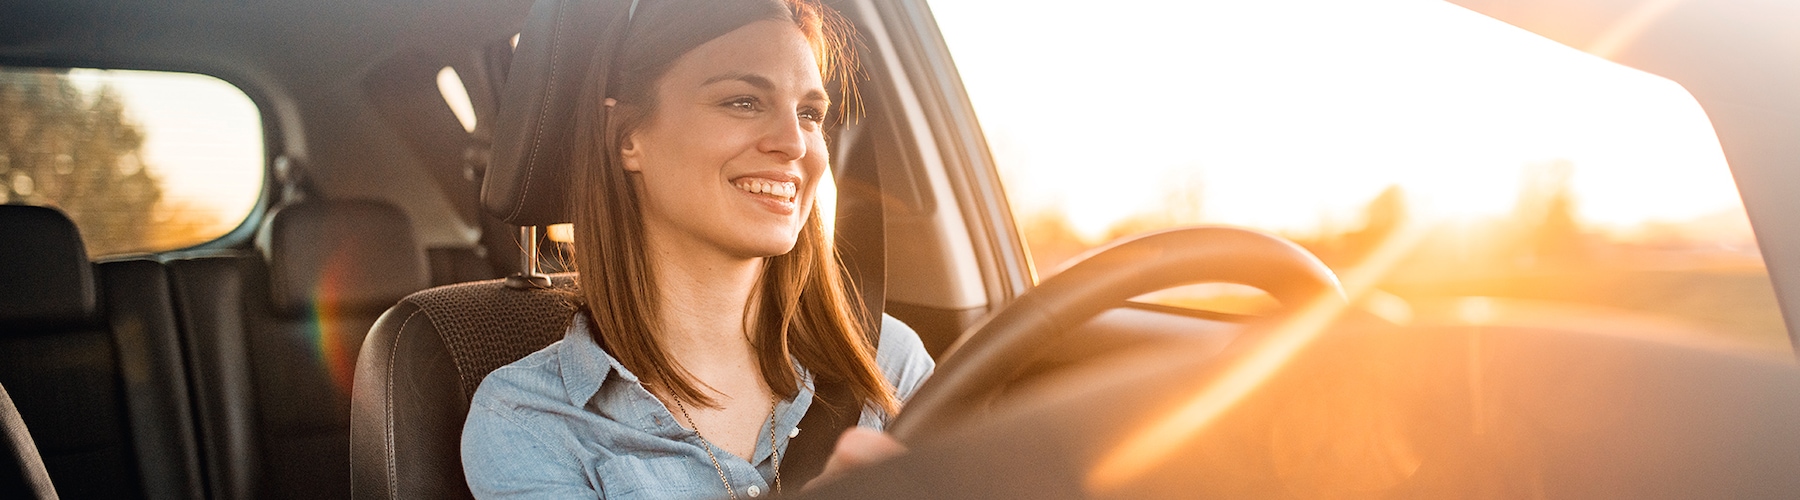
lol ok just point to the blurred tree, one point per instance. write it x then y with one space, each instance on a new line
1181 204
74 150
1051 239
1342 248
1381 217
1547 228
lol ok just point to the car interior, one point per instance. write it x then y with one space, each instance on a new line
327 346
196 372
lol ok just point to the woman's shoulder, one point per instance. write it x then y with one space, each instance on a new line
533 380
902 356
515 437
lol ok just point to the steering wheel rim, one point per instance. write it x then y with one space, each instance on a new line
998 349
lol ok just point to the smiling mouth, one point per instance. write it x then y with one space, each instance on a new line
777 190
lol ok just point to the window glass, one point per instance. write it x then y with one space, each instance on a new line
450 85
1496 165
142 161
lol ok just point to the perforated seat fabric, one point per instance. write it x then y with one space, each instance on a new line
486 327
94 369
422 361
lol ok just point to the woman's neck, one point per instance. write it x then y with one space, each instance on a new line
702 297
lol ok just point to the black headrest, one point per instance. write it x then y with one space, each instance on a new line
45 277
526 184
345 255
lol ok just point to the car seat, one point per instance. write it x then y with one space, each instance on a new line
91 359
334 265
22 473
275 338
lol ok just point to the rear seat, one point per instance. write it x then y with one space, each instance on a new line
279 341
92 359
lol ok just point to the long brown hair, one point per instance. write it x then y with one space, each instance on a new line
807 310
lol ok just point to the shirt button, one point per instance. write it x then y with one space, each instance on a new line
754 491
794 432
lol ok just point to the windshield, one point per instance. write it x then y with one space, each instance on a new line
1513 179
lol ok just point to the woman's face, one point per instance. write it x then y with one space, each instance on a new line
734 151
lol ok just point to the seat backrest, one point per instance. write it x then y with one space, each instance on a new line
22 473
91 359
282 331
459 264
426 355
421 363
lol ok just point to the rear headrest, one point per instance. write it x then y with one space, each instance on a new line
341 255
526 185
45 277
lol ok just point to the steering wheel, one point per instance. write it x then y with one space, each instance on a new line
996 351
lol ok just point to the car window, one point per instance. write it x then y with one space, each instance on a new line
142 161
450 85
1526 180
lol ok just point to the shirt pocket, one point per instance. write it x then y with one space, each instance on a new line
626 477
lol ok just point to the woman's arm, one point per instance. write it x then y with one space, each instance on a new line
858 447
902 357
503 458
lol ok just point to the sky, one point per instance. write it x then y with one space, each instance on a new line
1291 113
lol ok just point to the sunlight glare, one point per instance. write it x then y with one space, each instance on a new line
1282 114
1148 447
826 200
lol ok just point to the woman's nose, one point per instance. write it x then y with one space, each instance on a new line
785 138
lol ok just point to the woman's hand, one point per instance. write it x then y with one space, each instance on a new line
857 448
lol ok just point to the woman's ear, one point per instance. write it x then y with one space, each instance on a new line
628 151
629 154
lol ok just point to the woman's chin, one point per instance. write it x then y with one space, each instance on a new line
766 247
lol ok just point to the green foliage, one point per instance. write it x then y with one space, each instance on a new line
74 150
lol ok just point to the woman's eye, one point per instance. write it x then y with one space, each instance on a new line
812 115
742 104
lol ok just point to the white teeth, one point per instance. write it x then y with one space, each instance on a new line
768 187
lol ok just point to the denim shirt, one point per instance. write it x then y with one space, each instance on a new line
569 421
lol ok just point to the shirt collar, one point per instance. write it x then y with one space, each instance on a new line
588 364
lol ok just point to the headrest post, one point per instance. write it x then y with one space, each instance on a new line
528 276
528 260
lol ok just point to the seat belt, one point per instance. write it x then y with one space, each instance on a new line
833 411
863 229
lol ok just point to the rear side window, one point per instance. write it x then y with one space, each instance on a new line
142 161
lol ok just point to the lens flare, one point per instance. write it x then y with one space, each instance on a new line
1628 28
330 324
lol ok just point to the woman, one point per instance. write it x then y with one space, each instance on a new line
713 295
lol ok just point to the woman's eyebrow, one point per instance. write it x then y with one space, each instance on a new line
755 80
761 83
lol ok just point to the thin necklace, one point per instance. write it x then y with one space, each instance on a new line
707 445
